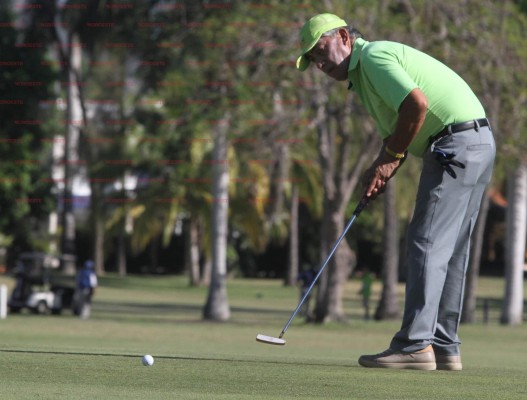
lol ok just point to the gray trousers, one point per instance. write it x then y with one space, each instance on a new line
439 242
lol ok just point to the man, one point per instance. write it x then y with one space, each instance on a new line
365 291
86 284
424 108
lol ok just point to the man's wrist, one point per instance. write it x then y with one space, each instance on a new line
394 154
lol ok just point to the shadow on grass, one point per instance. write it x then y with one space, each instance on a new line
145 282
175 313
164 308
237 360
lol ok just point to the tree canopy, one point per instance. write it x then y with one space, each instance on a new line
159 77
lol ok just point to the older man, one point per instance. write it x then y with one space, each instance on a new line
424 108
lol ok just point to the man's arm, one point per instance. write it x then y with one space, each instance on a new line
412 113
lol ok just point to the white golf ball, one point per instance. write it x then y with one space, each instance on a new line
148 360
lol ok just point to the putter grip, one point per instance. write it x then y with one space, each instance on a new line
360 206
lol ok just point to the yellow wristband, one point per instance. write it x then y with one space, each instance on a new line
393 153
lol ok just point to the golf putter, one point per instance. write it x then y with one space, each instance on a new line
278 340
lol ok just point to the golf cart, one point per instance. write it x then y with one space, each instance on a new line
34 289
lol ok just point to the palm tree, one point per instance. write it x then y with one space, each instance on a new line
388 307
217 305
512 311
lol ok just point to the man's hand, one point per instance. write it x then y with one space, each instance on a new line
412 114
380 172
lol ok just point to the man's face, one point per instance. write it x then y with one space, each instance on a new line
331 55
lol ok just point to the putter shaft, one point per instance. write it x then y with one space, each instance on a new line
358 209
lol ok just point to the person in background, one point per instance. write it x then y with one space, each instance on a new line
305 279
85 284
365 291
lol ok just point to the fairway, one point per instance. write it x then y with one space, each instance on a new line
63 357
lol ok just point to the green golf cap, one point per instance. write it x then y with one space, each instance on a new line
312 31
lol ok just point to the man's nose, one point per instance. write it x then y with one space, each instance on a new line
319 63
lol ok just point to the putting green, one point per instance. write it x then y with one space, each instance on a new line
63 357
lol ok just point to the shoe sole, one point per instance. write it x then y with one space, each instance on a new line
449 366
416 366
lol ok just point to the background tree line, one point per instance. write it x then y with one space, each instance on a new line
188 119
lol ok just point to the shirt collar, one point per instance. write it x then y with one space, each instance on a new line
355 56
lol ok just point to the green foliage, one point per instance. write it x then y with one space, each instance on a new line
173 73
25 84
522 5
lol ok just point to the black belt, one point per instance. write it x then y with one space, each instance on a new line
463 126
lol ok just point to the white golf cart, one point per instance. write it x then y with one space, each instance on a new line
34 290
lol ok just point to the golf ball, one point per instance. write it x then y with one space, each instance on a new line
148 360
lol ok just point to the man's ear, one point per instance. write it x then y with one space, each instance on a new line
345 36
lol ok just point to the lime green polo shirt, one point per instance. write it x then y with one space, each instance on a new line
383 73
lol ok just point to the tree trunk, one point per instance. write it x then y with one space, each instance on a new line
292 272
192 253
217 306
340 179
98 243
471 283
388 307
280 169
345 259
206 271
73 122
279 176
321 303
512 311
121 252
329 299
154 253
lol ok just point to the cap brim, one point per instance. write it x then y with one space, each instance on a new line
302 63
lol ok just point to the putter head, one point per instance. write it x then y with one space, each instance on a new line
270 340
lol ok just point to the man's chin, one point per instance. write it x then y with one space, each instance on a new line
336 75
339 78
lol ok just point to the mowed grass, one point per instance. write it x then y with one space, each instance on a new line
63 357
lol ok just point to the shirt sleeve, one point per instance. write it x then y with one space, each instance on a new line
385 72
382 132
